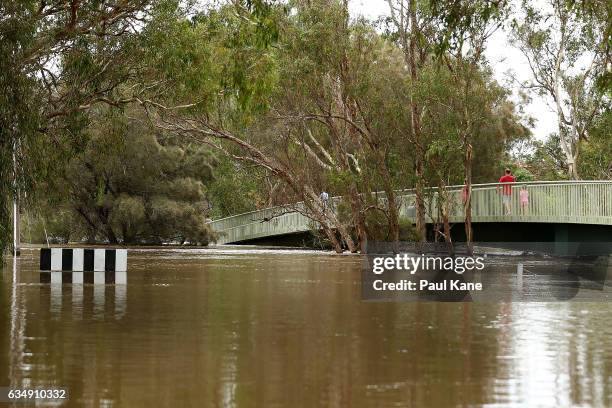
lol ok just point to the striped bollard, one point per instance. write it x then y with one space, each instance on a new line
77 265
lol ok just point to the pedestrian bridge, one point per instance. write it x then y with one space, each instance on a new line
558 202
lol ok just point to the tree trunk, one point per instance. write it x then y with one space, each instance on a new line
447 232
420 201
468 201
444 204
392 210
333 239
348 240
393 215
416 127
394 230
572 167
110 234
360 225
108 230
568 144
362 234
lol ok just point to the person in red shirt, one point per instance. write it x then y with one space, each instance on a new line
507 179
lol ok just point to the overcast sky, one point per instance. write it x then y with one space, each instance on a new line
503 58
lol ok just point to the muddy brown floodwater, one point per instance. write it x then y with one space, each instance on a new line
244 327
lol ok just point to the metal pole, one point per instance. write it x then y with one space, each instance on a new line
15 232
16 251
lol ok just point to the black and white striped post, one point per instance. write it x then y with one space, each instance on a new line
77 265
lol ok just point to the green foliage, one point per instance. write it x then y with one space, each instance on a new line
55 225
522 174
220 54
126 186
460 19
233 191
498 128
595 161
544 160
567 44
56 61
378 228
407 231
19 112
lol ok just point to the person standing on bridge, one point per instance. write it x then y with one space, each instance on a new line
325 198
524 199
507 179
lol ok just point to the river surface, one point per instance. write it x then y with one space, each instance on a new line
241 327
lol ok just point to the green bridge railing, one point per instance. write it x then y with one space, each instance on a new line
576 202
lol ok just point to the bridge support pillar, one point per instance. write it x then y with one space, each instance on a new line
562 246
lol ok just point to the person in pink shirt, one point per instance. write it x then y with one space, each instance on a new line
507 179
524 200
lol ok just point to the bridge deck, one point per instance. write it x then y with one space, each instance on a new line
573 202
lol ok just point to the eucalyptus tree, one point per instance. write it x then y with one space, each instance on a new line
348 106
57 60
412 25
453 36
496 127
567 45
447 33
321 107
464 29
299 109
216 71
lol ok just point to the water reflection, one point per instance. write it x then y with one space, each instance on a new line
262 328
17 328
55 294
98 301
77 301
120 300
37 351
572 353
